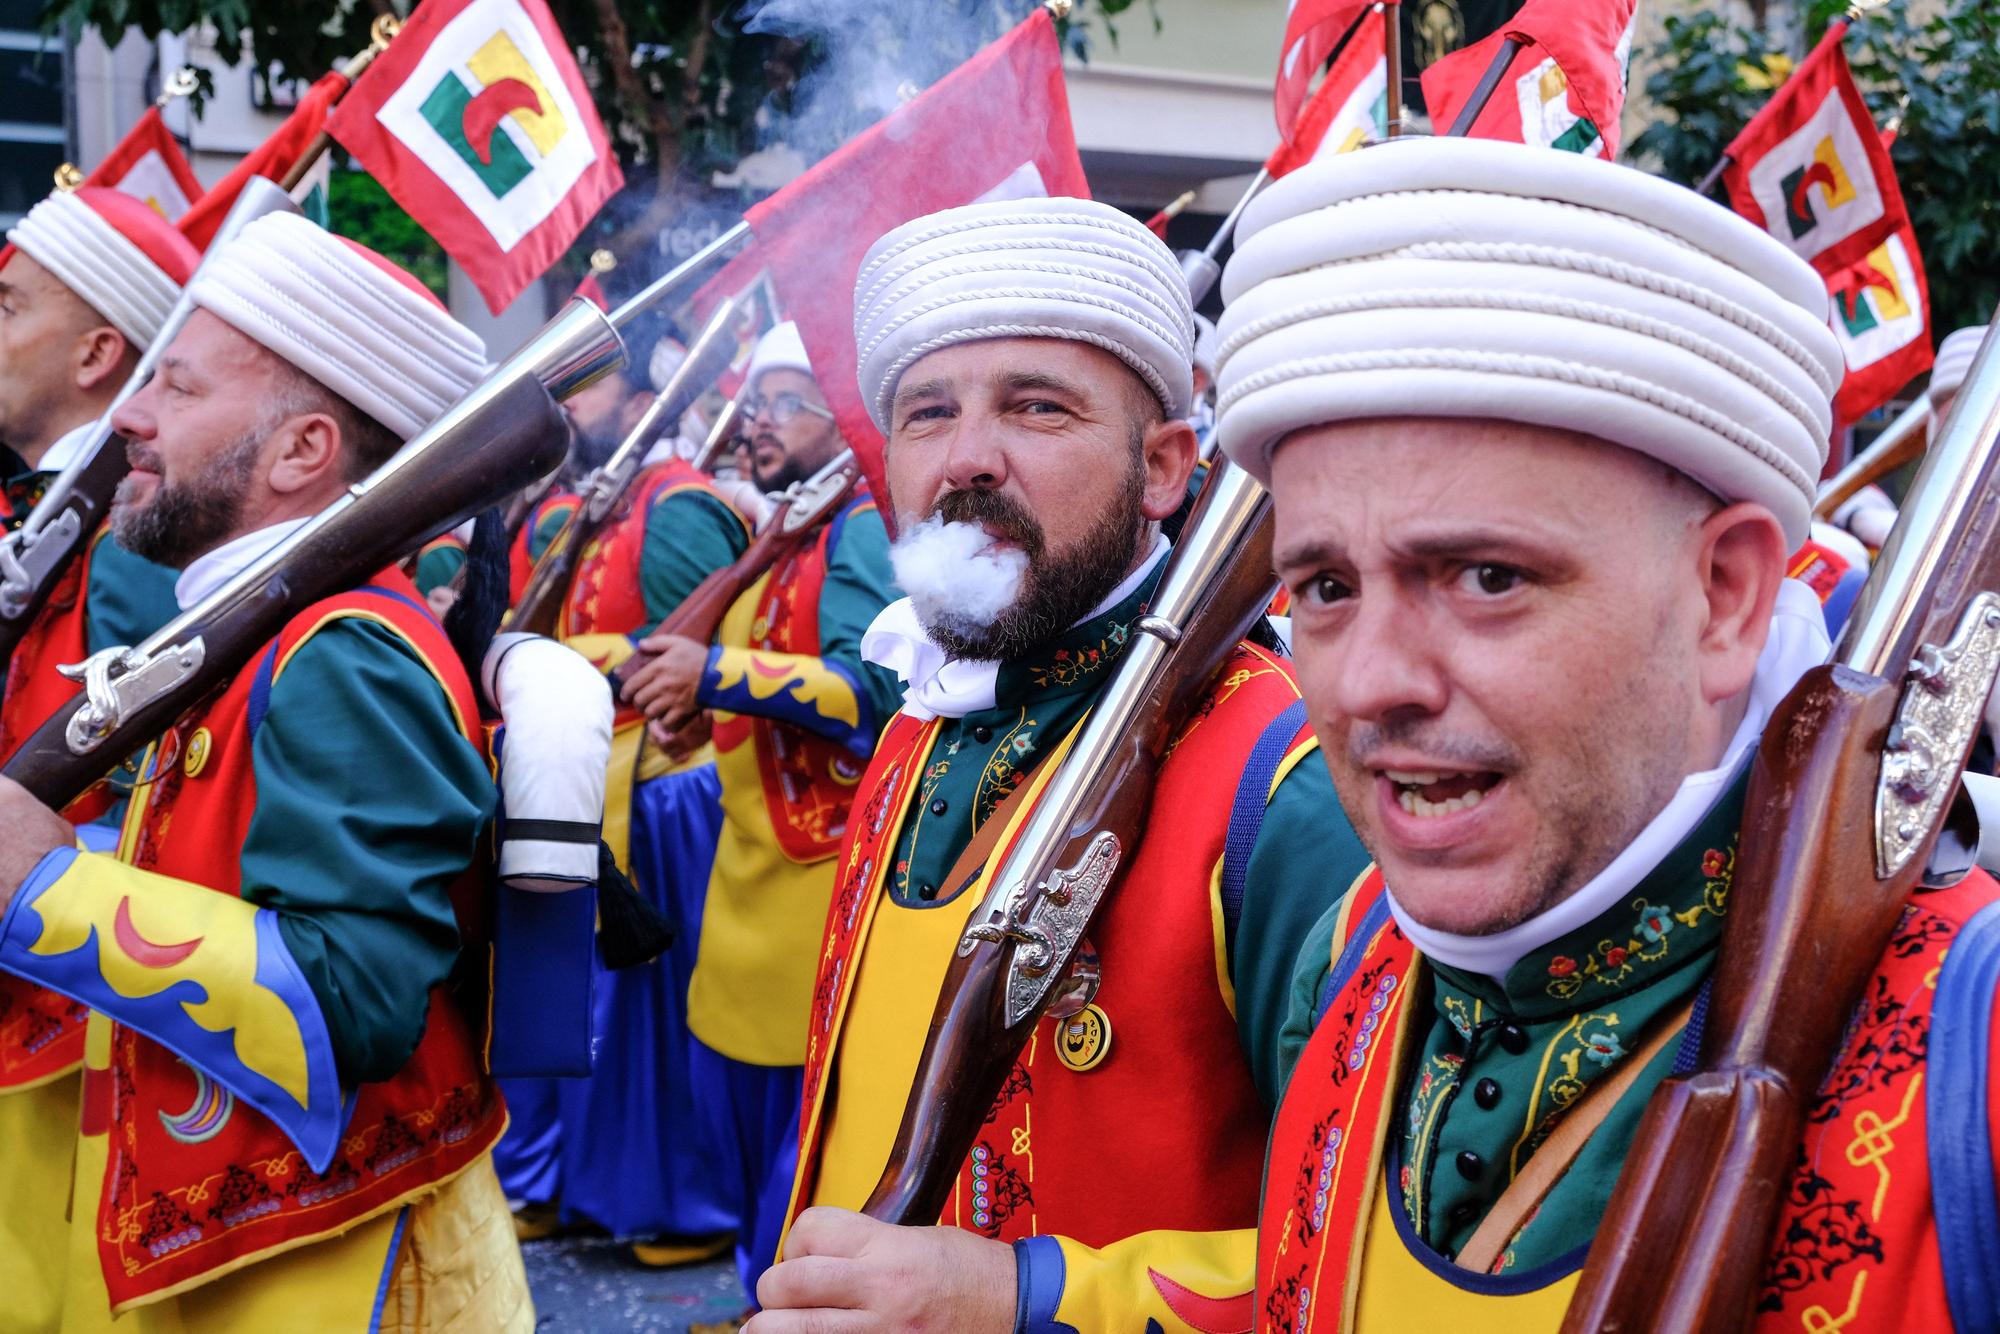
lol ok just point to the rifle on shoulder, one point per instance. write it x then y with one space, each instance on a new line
499 437
540 609
1849 794
1013 963
803 508
34 557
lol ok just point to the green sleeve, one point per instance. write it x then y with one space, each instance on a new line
689 536
370 804
1305 858
859 583
129 597
437 566
547 524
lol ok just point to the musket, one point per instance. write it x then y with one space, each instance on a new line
1901 441
1848 794
720 433
802 509
34 557
504 433
540 607
1013 962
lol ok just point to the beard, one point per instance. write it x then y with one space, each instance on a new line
185 519
970 616
792 469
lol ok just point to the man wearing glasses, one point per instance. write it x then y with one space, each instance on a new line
795 717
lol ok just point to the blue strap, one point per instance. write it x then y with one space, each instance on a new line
260 686
1246 813
1350 957
1961 1138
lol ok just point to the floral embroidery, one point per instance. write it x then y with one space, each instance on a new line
1602 1047
1654 923
1718 869
1591 1038
1561 966
1067 666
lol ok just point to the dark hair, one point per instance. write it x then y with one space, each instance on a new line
366 444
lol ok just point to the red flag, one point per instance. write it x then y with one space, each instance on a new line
148 164
1565 87
478 122
1881 318
1313 28
1350 106
273 159
995 128
592 291
1811 169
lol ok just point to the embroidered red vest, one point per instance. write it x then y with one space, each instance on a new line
808 780
41 1033
606 596
1856 1246
182 1205
1168 1131
521 564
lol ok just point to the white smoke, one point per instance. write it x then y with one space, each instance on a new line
956 575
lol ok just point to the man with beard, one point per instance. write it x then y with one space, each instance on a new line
574 1148
1030 475
285 1108
1541 431
796 712
90 279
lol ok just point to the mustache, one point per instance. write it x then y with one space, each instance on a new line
1365 740
141 456
999 514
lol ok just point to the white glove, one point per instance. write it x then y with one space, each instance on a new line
1869 514
556 710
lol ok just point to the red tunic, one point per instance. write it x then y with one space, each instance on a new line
174 1213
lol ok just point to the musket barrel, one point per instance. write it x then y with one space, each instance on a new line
675 278
1895 608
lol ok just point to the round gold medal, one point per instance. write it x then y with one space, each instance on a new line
1084 1039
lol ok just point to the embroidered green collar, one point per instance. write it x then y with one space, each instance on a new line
1079 659
1671 919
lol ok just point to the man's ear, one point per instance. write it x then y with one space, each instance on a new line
306 451
1170 451
1741 558
99 359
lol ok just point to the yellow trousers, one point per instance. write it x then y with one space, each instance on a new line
37 1148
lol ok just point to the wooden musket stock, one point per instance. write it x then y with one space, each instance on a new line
1845 801
511 437
971 1046
1901 441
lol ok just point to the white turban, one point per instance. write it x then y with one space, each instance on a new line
1023 268
1954 359
1481 279
780 349
117 253
345 316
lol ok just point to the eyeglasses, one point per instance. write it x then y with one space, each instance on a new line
781 408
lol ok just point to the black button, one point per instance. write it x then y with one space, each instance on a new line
939 807
926 892
1470 1165
1514 1038
1487 1094
982 734
1463 1213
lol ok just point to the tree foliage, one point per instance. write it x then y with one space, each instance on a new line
1714 74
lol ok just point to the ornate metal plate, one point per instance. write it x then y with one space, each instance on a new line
1941 710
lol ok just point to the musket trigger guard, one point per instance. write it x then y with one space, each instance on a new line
1047 923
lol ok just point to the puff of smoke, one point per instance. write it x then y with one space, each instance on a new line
956 575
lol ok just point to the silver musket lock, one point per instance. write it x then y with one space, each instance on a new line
1046 923
119 681
27 560
1942 706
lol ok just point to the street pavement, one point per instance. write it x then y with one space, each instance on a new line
591 1283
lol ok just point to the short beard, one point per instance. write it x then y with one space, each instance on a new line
187 519
792 470
1060 589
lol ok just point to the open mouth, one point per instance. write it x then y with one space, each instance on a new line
1428 794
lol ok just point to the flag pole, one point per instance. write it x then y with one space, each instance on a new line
1392 57
678 276
1483 93
380 33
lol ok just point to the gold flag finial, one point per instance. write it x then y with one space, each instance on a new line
602 261
1058 9
181 83
69 176
383 30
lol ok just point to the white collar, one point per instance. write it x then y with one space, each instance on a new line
209 572
936 685
65 450
1798 643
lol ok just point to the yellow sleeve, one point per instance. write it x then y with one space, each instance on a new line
1192 1282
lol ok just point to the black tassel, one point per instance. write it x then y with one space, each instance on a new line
482 596
630 931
